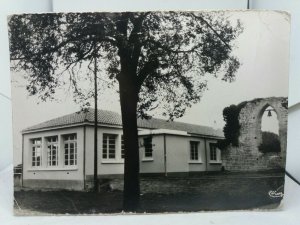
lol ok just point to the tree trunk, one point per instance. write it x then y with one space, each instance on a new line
129 99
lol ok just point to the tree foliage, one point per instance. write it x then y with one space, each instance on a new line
232 126
285 103
270 142
159 60
169 52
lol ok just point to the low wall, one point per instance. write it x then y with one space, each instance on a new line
234 159
53 184
17 180
160 185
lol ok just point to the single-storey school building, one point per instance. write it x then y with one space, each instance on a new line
59 153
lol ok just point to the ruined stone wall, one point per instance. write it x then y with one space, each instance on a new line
247 155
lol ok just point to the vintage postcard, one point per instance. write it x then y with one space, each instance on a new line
149 111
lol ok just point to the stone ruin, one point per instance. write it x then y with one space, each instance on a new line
246 156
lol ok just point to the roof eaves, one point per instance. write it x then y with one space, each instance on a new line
207 136
27 131
34 130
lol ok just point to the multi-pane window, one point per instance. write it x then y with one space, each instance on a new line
70 149
148 147
109 146
213 152
52 151
194 154
36 152
122 147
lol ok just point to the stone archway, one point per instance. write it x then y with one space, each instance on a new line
247 155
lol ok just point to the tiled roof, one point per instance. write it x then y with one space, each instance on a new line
112 118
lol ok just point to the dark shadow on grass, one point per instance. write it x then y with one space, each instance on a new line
228 192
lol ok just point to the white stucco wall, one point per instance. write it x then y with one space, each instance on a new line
178 155
155 165
55 173
201 164
105 167
177 161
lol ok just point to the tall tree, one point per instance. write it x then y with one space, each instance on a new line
159 59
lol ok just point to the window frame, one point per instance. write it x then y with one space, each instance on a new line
33 152
196 144
51 150
68 141
105 150
148 146
122 147
213 146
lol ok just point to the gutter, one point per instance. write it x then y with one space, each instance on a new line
67 126
86 123
207 136
187 135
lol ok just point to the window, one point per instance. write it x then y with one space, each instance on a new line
109 146
214 153
194 154
122 147
52 151
148 147
36 152
70 147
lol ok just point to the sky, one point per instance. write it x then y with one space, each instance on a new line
262 48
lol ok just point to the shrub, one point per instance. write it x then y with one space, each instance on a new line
270 142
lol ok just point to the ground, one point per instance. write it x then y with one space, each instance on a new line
226 191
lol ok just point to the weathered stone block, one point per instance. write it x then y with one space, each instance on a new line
247 155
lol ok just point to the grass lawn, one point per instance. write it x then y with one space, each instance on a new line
205 192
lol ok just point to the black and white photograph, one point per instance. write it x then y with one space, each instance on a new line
149 112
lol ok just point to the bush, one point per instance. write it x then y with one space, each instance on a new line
232 126
270 142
